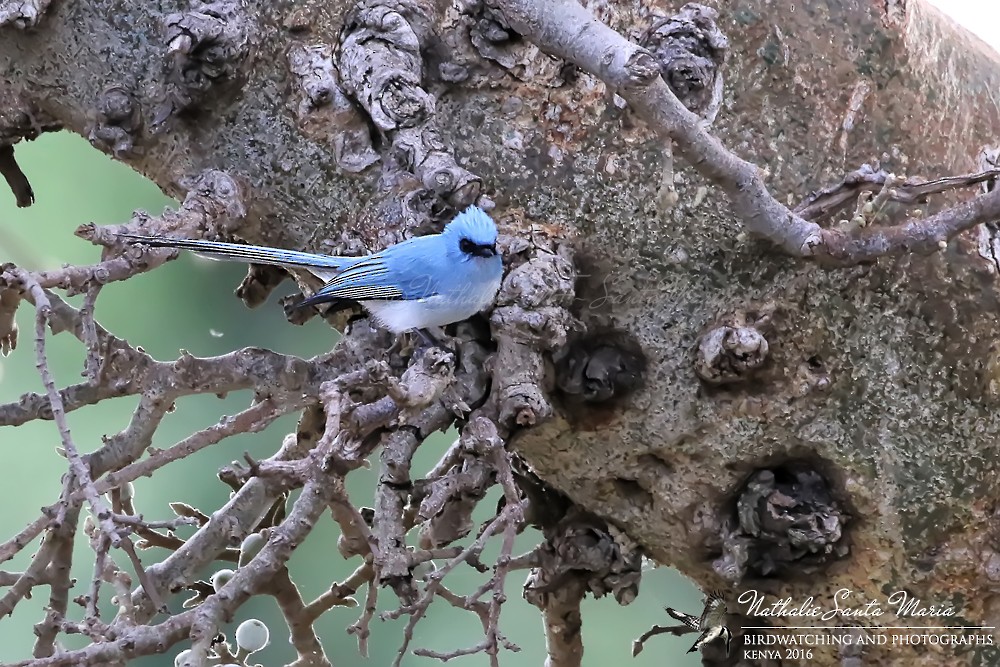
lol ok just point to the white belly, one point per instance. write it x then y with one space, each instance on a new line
434 311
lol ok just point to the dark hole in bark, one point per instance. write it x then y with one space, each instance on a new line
784 520
600 367
632 491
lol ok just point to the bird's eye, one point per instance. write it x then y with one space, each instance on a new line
467 246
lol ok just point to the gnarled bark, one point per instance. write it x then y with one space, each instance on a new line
868 414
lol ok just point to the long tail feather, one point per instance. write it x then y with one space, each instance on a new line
324 266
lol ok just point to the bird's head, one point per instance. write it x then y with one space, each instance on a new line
473 235
713 634
727 637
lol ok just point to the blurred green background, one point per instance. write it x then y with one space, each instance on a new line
189 304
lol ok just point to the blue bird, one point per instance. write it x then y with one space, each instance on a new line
423 282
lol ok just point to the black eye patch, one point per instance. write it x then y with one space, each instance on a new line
477 249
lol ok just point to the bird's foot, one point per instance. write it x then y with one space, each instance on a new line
430 340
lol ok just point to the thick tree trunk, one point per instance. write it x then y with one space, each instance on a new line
881 378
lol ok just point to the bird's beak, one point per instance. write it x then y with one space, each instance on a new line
486 251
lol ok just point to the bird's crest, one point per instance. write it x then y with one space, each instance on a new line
475 225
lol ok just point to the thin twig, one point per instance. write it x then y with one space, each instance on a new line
58 571
416 611
135 641
302 635
92 609
868 179
339 594
135 522
26 536
34 574
92 365
361 627
252 577
676 630
252 420
144 580
100 509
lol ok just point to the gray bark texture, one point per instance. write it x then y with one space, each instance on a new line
754 419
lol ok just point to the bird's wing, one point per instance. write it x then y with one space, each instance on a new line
715 608
703 639
390 275
323 266
692 622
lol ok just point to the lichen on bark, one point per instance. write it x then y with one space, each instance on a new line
881 376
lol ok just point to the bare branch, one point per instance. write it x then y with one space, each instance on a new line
100 561
99 508
252 420
60 583
910 191
300 623
92 366
676 630
567 30
563 625
510 514
252 577
16 180
15 544
340 594
918 236
361 627
241 369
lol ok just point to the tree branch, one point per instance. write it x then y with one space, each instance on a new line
565 29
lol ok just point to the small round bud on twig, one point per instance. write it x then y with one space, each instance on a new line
252 635
221 578
251 546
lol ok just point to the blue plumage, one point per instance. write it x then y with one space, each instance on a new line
427 281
